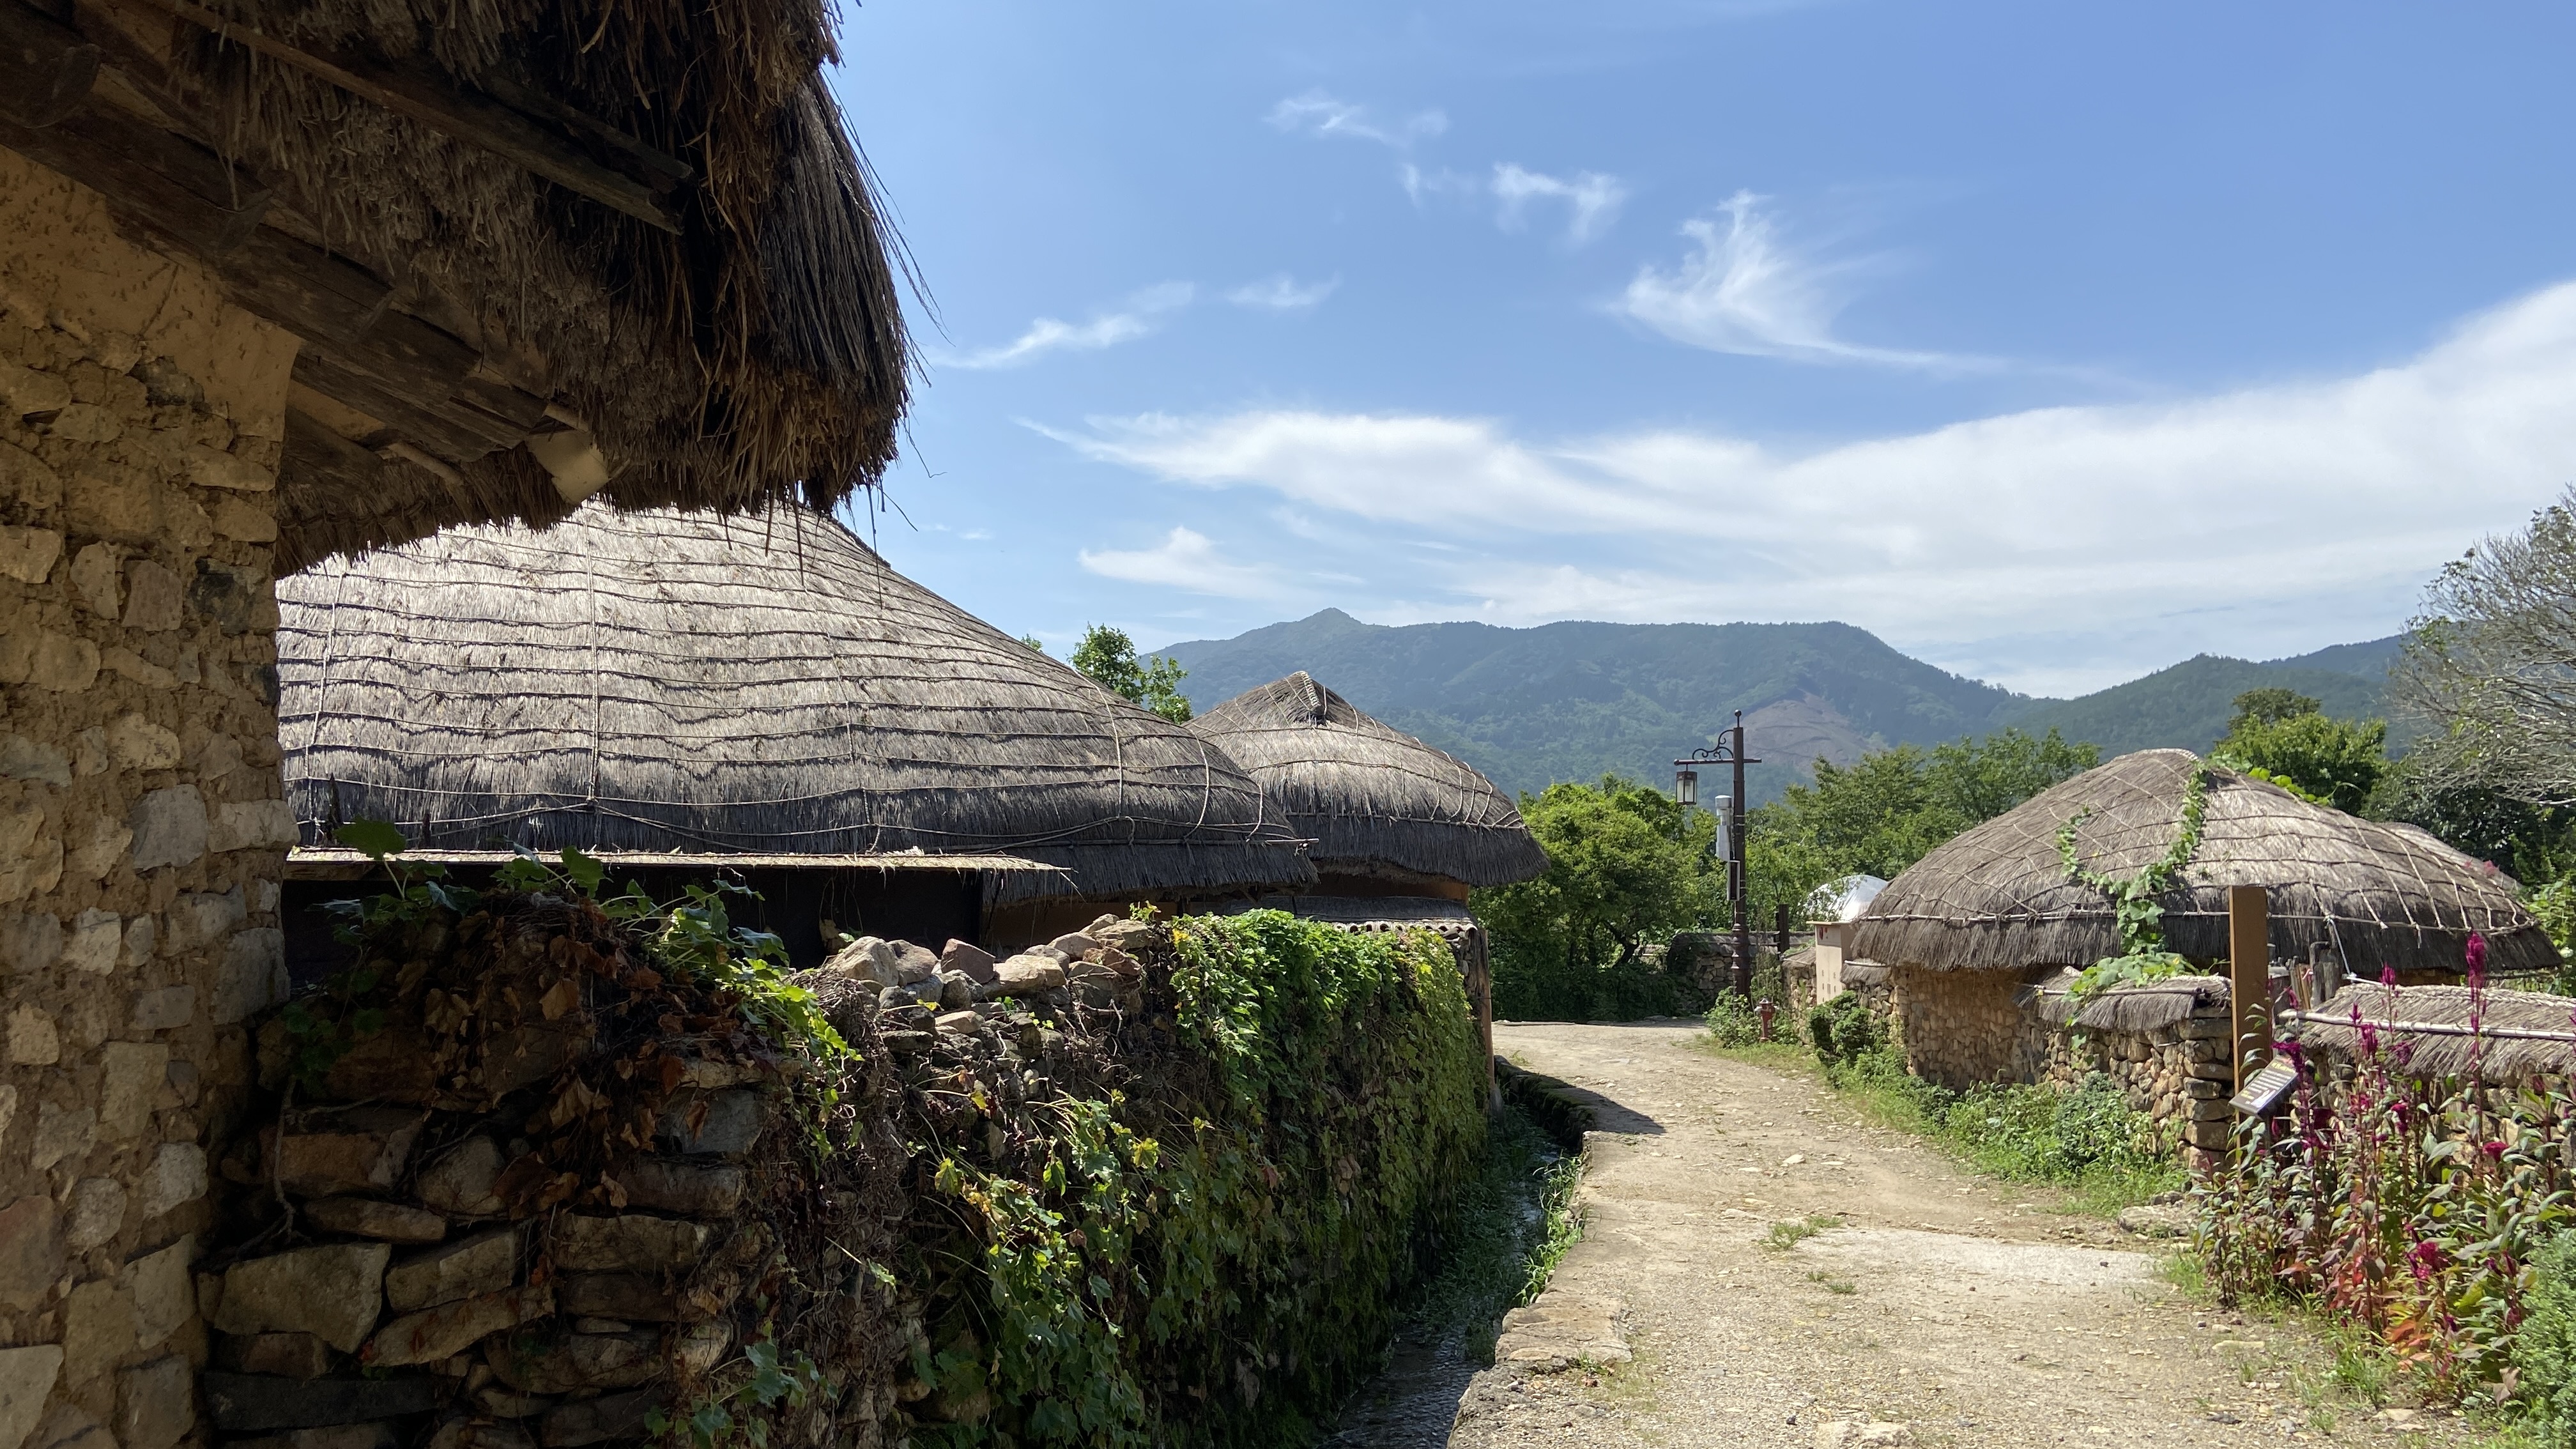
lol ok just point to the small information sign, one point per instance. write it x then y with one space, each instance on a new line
2265 1088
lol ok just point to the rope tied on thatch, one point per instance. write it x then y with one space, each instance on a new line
663 681
1369 795
2446 1031
1997 897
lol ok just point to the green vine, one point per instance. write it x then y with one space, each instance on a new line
2137 911
1212 1258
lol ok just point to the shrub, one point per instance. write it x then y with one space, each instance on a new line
2544 1348
1845 1028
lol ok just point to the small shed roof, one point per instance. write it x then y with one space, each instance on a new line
760 685
1370 796
2441 1030
1998 896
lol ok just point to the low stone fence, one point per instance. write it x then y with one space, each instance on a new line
526 1178
2164 1046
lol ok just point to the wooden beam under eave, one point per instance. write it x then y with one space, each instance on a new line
46 68
475 119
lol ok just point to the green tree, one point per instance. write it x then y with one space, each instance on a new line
1108 656
2270 705
1626 868
2288 739
1033 643
1890 808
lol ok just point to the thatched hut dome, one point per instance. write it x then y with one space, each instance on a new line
1998 896
767 685
1374 800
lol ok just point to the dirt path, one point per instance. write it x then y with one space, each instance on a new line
1965 1309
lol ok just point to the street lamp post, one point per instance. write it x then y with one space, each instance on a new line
1729 750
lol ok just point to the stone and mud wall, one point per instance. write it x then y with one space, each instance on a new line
525 1174
1966 1028
2178 1075
142 823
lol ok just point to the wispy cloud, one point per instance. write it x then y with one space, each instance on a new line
2162 520
1282 293
1135 317
1745 290
1592 199
1318 114
1186 559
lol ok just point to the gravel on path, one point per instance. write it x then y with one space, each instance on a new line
1969 1311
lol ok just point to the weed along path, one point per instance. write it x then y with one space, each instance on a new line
1779 1274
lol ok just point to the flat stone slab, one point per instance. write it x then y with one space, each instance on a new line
1561 1330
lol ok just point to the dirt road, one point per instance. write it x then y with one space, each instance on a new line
1969 1311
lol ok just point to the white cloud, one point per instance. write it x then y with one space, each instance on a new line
1592 199
1283 293
2117 519
1744 290
1318 114
1136 317
1186 560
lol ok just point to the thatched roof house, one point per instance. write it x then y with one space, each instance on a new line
526 253
285 277
1998 896
1379 805
763 686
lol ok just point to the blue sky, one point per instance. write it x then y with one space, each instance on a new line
2051 343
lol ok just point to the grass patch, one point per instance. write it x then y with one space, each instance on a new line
1513 1222
1839 1287
1784 1236
2089 1142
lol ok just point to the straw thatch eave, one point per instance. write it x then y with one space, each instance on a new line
1371 797
533 250
1998 896
663 681
2446 1031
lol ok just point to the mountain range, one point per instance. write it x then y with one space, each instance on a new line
1571 701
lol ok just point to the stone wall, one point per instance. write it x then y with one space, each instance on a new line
141 813
1960 1028
2179 1074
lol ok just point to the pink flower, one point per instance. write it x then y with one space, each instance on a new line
2493 1149
2387 975
2477 953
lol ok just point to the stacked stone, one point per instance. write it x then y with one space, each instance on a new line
2179 1075
962 988
1961 1028
142 821
420 1302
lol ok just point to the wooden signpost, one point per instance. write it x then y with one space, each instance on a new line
2249 978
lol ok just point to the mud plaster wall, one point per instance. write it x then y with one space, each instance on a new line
142 820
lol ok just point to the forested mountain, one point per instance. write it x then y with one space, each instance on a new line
1569 701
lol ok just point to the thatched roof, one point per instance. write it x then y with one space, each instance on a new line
2518 1034
1998 896
632 241
2137 1008
1372 798
661 681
